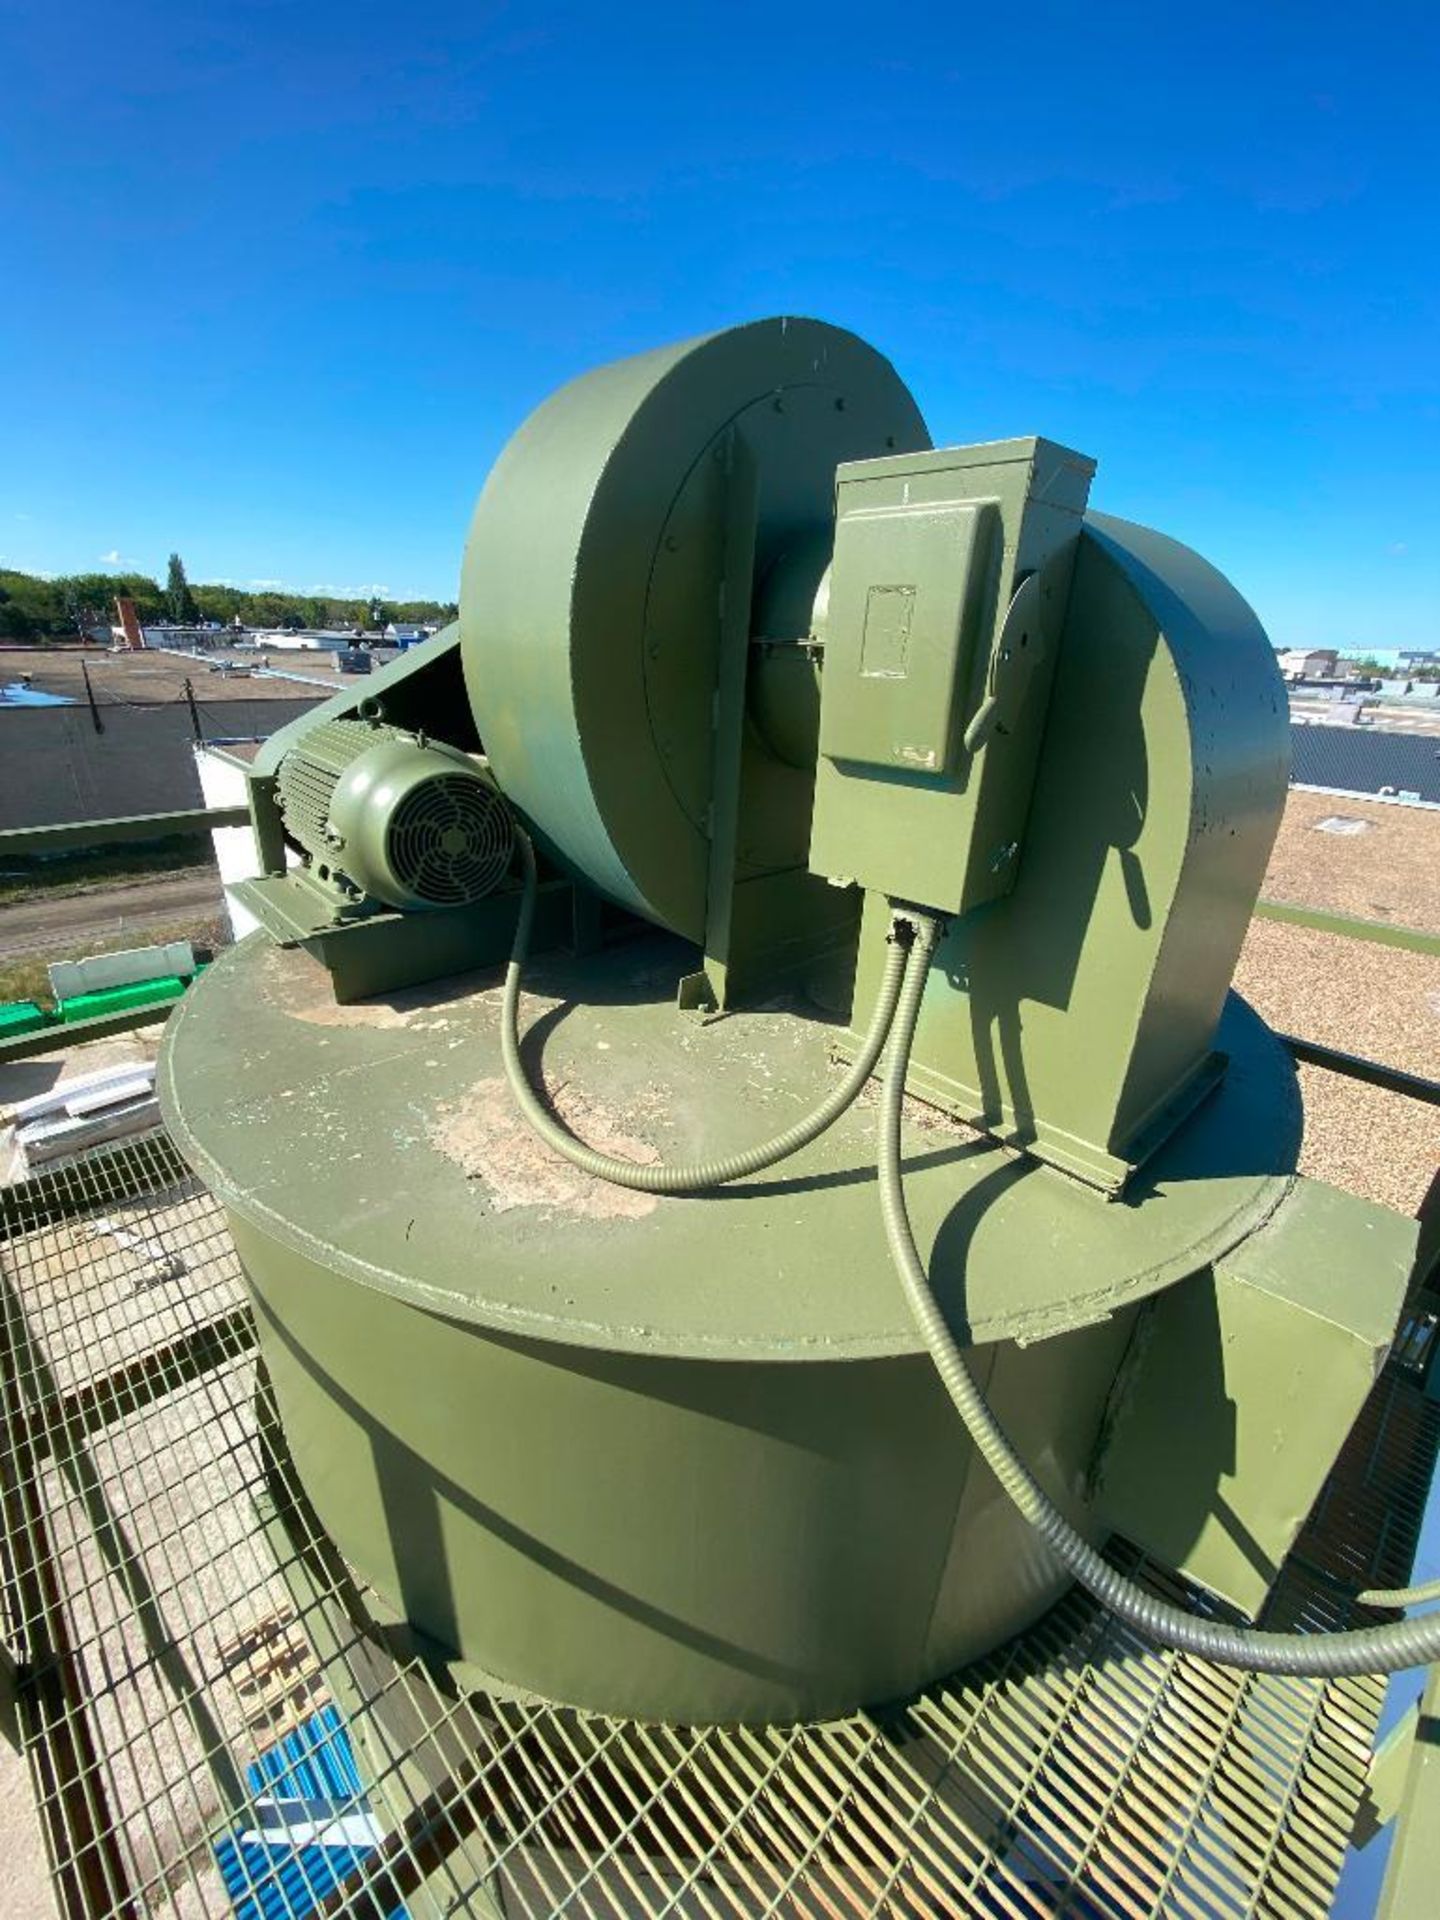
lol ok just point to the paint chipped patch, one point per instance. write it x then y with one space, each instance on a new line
924 1116
297 984
486 1136
300 985
378 1014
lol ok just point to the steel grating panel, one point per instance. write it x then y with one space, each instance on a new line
215 1722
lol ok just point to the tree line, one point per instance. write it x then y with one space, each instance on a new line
68 605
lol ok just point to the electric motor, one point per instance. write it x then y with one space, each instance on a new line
393 816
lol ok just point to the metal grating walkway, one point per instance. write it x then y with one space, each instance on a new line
214 1723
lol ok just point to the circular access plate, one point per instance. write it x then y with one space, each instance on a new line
589 610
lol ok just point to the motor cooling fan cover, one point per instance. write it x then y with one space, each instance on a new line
420 825
450 839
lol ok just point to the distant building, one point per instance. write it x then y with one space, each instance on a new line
1319 663
167 633
406 636
286 640
1417 660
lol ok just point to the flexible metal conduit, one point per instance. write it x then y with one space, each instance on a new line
695 1176
1383 1649
1421 1596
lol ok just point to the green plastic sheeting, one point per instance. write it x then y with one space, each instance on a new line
139 993
21 1016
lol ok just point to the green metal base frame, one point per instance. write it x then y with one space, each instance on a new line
380 952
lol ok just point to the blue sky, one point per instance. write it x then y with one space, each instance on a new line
282 278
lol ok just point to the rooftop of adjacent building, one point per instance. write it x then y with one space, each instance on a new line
155 678
1399 757
1379 862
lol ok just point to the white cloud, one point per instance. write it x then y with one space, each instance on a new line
268 586
111 559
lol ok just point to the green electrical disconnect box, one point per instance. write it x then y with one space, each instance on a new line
947 595
911 586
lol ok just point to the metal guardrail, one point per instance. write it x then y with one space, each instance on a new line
131 830
1350 926
1354 1066
66 1034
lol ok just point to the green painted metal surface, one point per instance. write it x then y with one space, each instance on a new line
394 817
1077 1016
593 666
389 953
1355 1066
1224 1421
1413 1872
334 786
661 1537
1140 1778
673 1457
408 1100
1386 1780
946 611
53 1038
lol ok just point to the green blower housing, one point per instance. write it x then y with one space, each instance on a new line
750 660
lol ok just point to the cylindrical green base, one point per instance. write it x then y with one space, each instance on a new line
667 1538
675 1458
